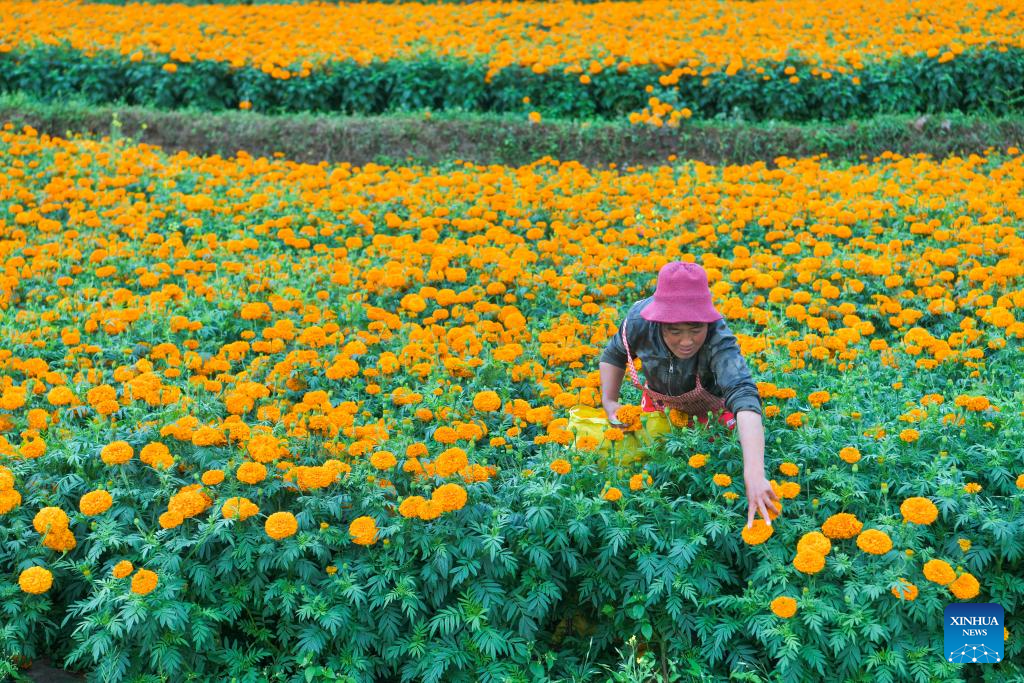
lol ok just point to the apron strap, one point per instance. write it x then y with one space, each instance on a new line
629 360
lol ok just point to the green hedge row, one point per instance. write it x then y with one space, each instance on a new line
987 81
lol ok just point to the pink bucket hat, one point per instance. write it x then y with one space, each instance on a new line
682 296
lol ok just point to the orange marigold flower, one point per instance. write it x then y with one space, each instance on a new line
629 416
383 460
363 530
905 590
35 580
208 436
698 460
972 487
9 500
156 455
411 506
939 571
474 473
638 481
789 469
281 525
850 454
874 542
789 489
910 435
122 569
918 510
451 496
33 448
144 581
809 562
841 525
213 477
431 509
416 450
817 398
117 453
170 519
239 508
965 586
964 544
561 466
784 607
60 396
777 490
814 541
450 461
189 501
612 494
50 519
487 401
61 540
758 533
446 435
678 418
613 434
264 448
6 479
251 472
95 502
722 479
101 393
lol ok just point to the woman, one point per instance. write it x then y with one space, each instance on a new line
692 362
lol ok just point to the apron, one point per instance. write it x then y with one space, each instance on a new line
698 402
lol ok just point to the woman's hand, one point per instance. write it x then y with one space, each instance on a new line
759 499
611 384
610 409
759 491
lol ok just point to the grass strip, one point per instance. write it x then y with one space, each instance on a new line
497 139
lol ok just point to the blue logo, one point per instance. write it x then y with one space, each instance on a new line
973 633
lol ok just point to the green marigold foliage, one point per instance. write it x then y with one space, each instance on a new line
987 81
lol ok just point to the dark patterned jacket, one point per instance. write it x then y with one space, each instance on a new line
723 370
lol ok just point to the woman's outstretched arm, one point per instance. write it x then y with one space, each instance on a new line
759 491
611 388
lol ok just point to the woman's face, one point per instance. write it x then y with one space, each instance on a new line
684 339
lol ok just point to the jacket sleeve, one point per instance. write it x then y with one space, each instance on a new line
732 373
614 352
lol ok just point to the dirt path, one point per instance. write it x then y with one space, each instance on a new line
42 671
509 141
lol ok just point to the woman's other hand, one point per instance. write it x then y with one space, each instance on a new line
611 385
610 409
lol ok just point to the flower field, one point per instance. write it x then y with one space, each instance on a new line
280 421
655 63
